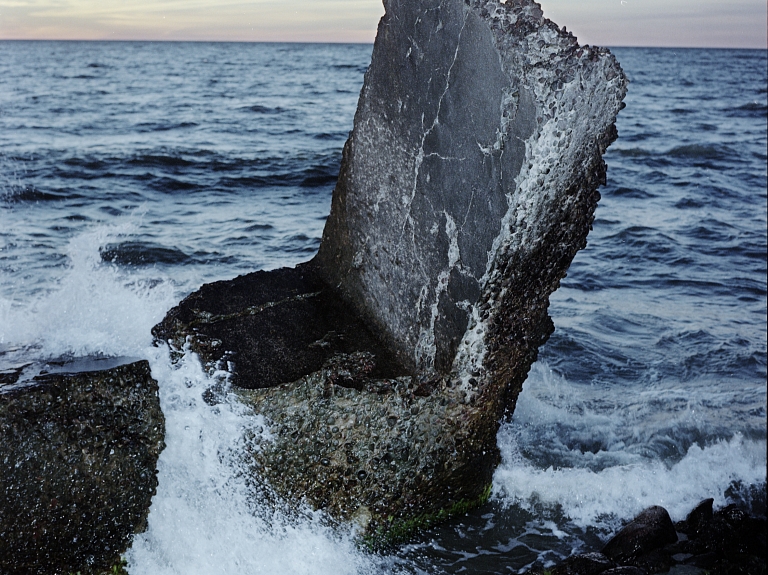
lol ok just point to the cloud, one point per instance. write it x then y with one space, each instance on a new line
737 23
255 20
678 23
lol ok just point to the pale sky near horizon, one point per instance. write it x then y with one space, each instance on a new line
678 23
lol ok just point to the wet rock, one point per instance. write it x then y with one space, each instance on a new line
10 375
78 453
276 327
625 570
649 531
584 564
656 561
467 185
728 541
699 518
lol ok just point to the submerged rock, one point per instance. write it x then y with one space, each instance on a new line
78 453
467 185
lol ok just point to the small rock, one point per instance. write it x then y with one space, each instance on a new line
650 530
704 561
681 557
657 561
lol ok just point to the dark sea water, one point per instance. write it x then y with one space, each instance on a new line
131 173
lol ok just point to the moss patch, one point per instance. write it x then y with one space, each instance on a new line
399 530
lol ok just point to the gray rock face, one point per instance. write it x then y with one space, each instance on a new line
78 453
467 185
474 124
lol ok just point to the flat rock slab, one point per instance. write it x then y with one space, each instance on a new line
275 327
78 454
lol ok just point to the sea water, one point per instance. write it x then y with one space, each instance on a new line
132 173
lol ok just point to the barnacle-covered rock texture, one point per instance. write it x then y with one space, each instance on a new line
467 185
78 459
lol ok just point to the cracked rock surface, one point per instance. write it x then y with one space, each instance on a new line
467 185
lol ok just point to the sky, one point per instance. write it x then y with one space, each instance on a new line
673 23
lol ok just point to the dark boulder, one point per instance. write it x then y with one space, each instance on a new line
78 454
726 542
467 185
649 531
731 541
698 518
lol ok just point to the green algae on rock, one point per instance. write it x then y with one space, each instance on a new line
469 182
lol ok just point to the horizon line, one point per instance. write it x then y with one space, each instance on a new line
308 42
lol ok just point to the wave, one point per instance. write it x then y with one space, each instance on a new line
331 137
172 171
163 126
692 151
91 309
632 152
207 517
600 457
159 160
729 471
750 109
141 254
259 109
319 175
171 185
631 193
699 151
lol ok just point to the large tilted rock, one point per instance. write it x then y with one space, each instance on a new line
468 184
78 453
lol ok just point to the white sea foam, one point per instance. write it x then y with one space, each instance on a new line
92 308
205 519
11 177
620 472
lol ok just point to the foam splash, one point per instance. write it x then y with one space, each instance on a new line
546 461
93 308
206 519
11 178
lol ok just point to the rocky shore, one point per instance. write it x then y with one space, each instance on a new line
728 541
383 366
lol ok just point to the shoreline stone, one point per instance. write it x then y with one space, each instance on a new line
469 182
78 457
726 542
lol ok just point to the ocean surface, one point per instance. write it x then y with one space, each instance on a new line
132 173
